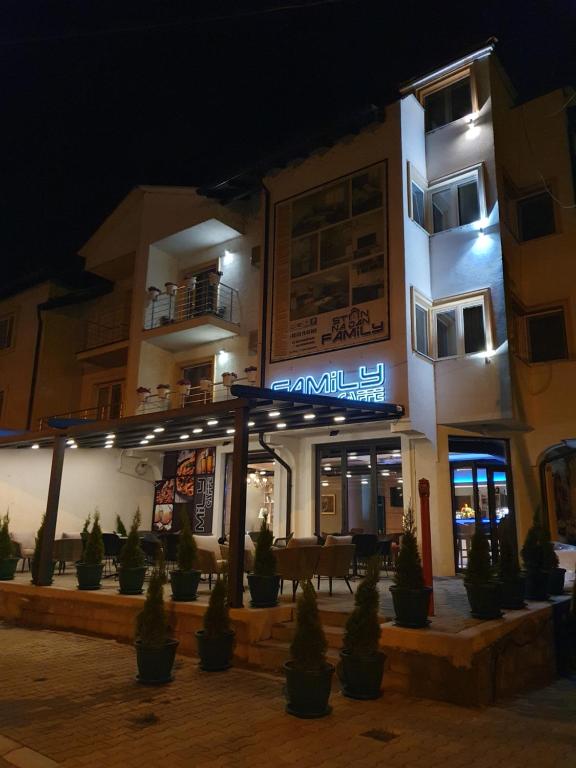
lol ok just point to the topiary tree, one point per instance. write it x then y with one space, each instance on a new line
533 551
35 564
187 549
508 565
264 560
85 532
217 617
7 548
131 554
308 647
120 527
152 627
409 573
479 569
94 549
362 631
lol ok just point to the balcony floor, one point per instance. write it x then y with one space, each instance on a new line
177 336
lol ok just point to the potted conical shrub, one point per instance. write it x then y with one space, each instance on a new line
216 639
120 527
155 644
35 564
85 532
263 582
512 582
411 598
132 562
185 578
551 564
481 585
361 662
8 559
89 570
533 559
308 674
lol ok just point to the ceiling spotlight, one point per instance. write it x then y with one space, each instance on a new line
339 418
328 467
158 429
108 445
184 437
230 431
273 414
35 447
363 482
144 442
352 455
197 430
251 423
281 425
385 474
150 437
71 441
400 480
111 436
212 422
348 474
262 471
309 416
325 483
74 446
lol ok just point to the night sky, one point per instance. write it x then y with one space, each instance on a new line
98 96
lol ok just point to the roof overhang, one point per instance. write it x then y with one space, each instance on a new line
447 69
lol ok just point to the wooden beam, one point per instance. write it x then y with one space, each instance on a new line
44 578
238 509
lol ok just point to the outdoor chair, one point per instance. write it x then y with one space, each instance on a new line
384 551
210 556
112 546
303 541
297 564
171 541
334 563
366 547
26 542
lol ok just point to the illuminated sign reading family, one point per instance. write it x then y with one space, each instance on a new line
366 383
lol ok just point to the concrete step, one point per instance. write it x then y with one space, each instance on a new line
285 632
271 654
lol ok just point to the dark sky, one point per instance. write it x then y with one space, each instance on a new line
97 96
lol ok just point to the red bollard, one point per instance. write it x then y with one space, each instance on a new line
424 493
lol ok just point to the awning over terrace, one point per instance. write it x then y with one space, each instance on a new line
248 410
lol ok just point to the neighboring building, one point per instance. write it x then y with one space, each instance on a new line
395 265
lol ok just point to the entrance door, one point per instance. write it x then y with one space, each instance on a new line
109 400
480 498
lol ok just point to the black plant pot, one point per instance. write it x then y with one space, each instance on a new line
89 576
484 599
556 581
8 568
184 585
411 606
263 590
537 585
512 592
307 691
215 652
155 663
131 580
361 675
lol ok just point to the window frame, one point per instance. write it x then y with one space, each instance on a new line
445 82
553 310
459 303
542 192
12 317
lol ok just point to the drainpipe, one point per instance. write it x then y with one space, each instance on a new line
269 450
39 331
265 273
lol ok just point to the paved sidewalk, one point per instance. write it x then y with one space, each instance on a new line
72 701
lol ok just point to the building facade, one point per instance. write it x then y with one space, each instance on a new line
423 260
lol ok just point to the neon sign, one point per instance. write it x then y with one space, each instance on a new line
366 383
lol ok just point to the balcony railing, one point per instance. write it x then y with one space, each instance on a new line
108 327
97 413
187 302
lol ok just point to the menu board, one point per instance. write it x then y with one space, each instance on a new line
330 269
190 487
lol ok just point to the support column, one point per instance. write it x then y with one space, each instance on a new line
238 508
424 493
44 578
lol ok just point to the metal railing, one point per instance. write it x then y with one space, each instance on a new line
108 327
97 413
186 302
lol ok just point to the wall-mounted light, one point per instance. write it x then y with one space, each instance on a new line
473 129
228 258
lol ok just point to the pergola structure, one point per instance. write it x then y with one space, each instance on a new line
249 410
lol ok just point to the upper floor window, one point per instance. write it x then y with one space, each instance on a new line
6 331
535 216
447 104
452 327
546 333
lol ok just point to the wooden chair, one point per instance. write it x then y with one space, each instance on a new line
335 562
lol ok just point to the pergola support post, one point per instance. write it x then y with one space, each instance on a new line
424 493
44 576
238 508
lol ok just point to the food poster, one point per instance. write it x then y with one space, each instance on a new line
163 513
192 486
330 288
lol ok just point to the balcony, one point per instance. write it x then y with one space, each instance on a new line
106 337
197 313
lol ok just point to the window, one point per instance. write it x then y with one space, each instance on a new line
195 374
456 203
418 205
6 331
452 327
547 336
2 399
447 104
109 398
535 216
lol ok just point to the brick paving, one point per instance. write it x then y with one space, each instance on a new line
72 701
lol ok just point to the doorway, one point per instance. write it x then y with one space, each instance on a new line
481 493
109 398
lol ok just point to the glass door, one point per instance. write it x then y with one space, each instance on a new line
109 400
